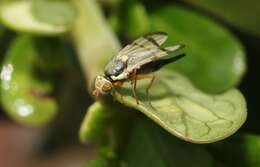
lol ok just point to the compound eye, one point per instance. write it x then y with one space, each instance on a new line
107 87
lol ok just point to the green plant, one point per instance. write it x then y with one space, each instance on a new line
193 99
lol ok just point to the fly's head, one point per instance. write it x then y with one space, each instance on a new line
102 86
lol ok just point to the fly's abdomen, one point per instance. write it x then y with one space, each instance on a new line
156 65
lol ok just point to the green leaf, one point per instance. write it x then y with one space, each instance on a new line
240 151
136 22
106 127
19 17
96 128
185 111
151 146
55 12
215 59
24 94
240 13
96 121
103 162
99 162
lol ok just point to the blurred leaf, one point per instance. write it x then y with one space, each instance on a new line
185 111
135 20
106 127
151 146
215 61
114 22
129 18
96 121
55 12
103 162
96 128
240 151
25 97
240 13
18 16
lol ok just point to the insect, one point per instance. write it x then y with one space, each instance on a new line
136 61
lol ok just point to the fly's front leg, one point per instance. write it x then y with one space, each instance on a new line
117 85
133 83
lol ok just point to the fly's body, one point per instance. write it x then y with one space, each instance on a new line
136 61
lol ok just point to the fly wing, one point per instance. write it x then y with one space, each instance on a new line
147 43
140 59
146 49
143 50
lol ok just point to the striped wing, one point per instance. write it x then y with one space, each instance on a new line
146 44
146 49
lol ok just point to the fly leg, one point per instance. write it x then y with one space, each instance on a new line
117 85
133 83
148 88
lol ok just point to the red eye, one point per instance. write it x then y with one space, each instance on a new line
107 87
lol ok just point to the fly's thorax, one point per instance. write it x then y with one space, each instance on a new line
115 67
103 86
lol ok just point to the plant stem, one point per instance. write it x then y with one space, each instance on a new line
93 39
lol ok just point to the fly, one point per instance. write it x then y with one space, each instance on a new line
136 61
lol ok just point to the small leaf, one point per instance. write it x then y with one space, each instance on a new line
103 162
99 162
95 123
185 111
151 146
18 16
54 12
24 96
240 13
215 59
106 127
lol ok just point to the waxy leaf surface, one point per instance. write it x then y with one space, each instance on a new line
185 111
